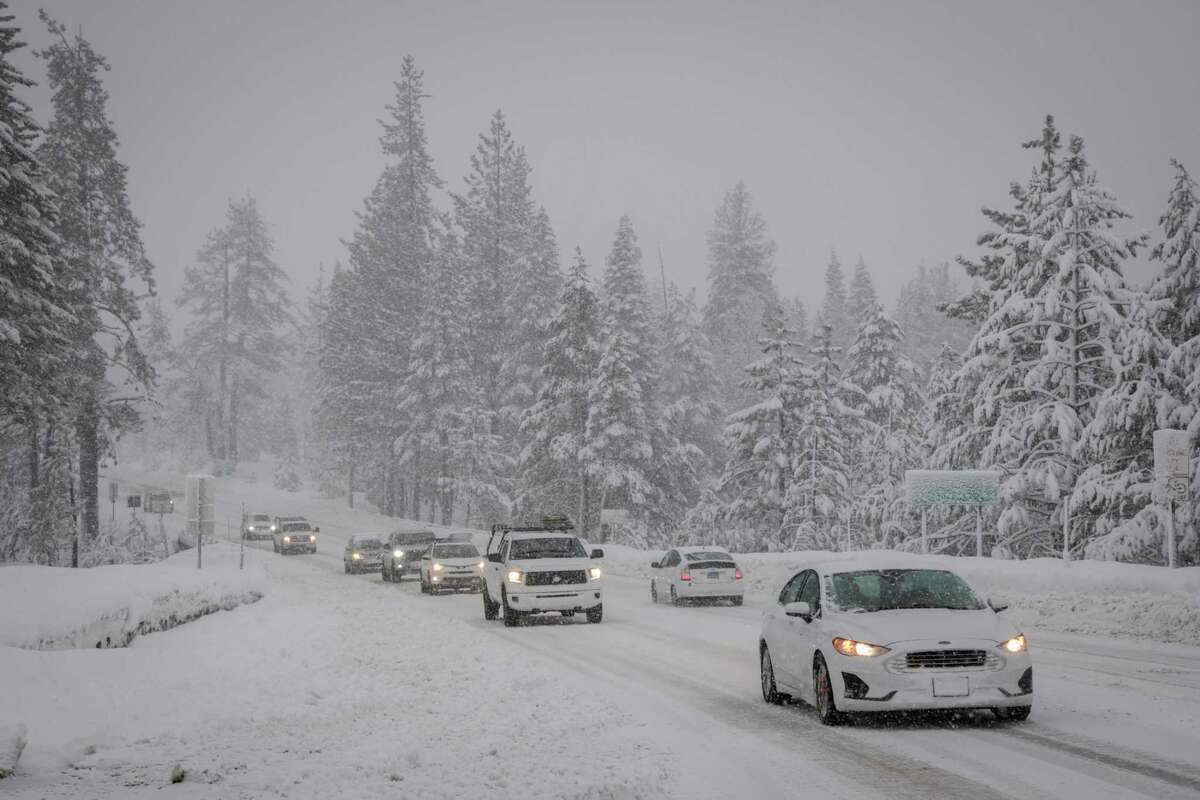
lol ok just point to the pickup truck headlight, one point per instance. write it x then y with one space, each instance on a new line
356 555
481 564
594 573
516 576
312 538
287 540
438 567
1016 644
398 554
272 529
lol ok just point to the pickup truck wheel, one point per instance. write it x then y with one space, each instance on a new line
653 592
346 567
383 573
511 618
596 614
489 608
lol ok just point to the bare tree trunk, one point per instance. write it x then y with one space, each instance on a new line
416 481
583 505
88 431
34 452
234 393
350 485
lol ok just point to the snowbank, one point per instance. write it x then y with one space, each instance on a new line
51 608
1092 597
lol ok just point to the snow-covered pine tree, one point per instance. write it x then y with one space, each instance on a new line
1114 489
238 298
438 395
101 254
919 312
688 392
741 288
1176 296
835 311
390 253
827 420
762 438
890 440
860 298
1043 355
554 478
495 214
622 414
797 319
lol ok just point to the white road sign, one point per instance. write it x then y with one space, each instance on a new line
1172 463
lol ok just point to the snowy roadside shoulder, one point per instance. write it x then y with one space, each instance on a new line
1106 598
54 608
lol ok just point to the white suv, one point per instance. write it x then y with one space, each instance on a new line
540 570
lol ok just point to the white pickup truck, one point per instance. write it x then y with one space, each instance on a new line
538 571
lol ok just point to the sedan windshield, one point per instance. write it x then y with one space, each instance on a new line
893 589
368 544
456 551
557 547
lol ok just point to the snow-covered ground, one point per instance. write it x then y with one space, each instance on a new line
344 685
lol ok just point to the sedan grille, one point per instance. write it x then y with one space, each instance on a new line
920 660
555 578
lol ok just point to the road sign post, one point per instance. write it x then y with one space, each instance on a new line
1172 473
968 487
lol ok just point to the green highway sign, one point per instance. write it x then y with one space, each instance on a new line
968 487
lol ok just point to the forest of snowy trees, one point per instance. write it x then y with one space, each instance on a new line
459 368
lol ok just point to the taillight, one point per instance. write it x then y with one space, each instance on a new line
737 574
685 576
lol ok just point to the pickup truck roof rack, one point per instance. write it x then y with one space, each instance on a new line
557 524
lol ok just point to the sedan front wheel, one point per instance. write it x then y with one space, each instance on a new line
767 670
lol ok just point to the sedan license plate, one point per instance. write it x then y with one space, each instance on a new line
951 686
714 575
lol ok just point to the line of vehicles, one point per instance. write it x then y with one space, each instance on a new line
846 637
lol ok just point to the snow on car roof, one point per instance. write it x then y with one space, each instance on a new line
702 548
541 535
876 561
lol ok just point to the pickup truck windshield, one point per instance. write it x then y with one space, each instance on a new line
368 544
556 547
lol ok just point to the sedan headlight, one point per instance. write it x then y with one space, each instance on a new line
356 555
398 554
595 573
438 567
516 576
851 647
287 540
1016 644
481 564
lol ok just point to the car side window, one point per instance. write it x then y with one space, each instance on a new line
791 589
811 591
672 559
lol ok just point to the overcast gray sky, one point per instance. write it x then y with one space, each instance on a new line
876 128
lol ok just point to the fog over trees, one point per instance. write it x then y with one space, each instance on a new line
456 368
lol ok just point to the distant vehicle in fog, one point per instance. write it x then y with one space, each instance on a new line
364 553
451 566
294 535
402 553
256 525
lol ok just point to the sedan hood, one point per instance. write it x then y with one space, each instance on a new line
459 562
905 625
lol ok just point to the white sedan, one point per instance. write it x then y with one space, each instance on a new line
847 637
696 573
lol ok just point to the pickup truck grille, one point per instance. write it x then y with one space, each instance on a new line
548 578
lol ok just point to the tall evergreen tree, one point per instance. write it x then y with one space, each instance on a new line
239 301
554 476
741 287
101 253
1176 296
835 310
860 299
763 437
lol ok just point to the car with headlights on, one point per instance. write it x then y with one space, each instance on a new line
256 525
363 553
696 574
541 570
294 535
402 553
451 566
852 637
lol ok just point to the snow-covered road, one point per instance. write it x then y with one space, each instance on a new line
346 685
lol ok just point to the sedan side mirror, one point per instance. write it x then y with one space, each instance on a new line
799 609
597 552
997 607
655 565
496 558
